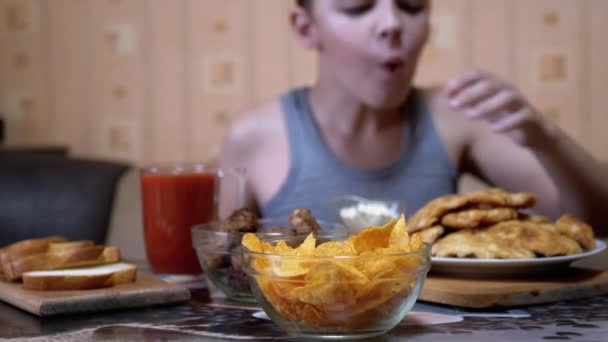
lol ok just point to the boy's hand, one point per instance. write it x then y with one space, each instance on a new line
482 96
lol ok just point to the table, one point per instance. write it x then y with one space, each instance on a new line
202 319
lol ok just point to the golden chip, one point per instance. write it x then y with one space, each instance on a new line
252 243
334 248
373 237
399 237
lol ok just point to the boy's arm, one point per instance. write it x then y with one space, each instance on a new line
531 153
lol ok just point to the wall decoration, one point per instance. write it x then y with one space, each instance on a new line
444 34
27 105
429 55
220 26
551 67
551 19
21 61
17 16
221 117
121 138
17 105
221 74
553 113
119 92
121 38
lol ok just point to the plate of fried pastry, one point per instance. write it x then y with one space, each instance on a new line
493 232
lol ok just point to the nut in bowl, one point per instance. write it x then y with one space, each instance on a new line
357 212
218 247
359 287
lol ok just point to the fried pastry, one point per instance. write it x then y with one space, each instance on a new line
537 238
430 235
432 212
473 218
470 243
533 218
576 229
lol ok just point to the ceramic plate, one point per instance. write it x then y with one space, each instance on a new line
464 266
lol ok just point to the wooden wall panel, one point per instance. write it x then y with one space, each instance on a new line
271 36
25 95
97 85
220 71
491 46
66 70
119 84
159 81
549 36
598 75
168 32
448 51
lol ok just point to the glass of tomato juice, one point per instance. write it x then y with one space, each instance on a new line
176 197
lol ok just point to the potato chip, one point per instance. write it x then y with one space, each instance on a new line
371 263
252 242
307 248
373 237
399 237
268 248
329 283
282 248
334 248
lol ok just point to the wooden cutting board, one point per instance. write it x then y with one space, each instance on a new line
146 291
482 293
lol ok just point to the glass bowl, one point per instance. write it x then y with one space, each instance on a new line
358 212
337 297
219 253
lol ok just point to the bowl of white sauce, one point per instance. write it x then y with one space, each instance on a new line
357 212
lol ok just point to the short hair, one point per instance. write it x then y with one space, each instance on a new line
304 3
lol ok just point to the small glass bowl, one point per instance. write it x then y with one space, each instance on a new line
358 213
219 253
334 300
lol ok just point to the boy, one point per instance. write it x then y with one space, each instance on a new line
363 129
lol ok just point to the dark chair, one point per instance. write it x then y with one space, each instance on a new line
1 129
42 195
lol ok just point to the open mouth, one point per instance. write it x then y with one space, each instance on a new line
393 65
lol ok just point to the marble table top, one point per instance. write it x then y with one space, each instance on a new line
206 318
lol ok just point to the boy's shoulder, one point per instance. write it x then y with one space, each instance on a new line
254 126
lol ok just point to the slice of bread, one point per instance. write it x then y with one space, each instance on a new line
76 257
28 247
55 247
80 278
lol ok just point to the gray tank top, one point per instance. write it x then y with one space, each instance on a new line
422 172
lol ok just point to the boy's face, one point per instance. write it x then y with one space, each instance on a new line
371 47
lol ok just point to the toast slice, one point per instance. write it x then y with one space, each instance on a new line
28 247
55 247
70 258
95 277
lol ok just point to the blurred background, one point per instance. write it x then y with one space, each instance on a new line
149 81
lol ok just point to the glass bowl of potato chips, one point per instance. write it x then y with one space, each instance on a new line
219 251
357 287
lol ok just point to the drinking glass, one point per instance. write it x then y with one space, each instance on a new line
176 197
